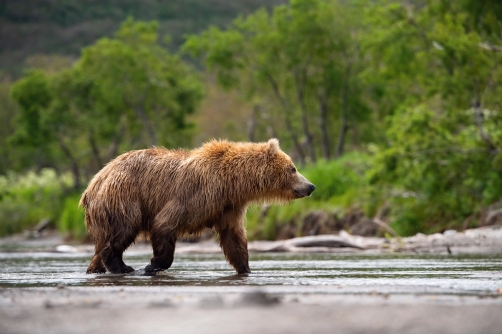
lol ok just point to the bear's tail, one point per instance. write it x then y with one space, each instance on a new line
84 200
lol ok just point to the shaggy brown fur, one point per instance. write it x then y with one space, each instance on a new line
170 193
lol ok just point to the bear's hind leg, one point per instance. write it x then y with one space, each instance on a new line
233 240
112 258
163 235
163 251
96 266
112 253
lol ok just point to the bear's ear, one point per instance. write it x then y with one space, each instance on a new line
273 146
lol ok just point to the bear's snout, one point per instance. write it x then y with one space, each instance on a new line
304 187
305 191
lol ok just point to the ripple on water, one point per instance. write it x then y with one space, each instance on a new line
322 273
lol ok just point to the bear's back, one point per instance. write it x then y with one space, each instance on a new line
137 176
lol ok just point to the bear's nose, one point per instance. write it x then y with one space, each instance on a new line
311 189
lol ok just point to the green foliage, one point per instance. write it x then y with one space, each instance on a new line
336 178
71 220
124 93
443 137
442 176
27 199
33 95
8 108
300 64
341 184
131 76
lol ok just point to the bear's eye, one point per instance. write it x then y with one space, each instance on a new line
293 170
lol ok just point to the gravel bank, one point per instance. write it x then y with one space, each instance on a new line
192 310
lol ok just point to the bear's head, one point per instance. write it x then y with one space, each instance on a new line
282 181
246 171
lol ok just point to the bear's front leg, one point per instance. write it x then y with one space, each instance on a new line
233 240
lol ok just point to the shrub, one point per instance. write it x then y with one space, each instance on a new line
25 199
340 184
71 221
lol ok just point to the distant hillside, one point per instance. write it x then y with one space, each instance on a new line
31 28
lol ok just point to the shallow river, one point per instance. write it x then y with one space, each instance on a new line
332 274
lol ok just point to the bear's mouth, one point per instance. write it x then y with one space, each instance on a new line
299 194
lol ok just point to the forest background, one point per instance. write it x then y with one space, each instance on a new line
392 108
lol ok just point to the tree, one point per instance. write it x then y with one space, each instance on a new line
444 139
126 92
8 108
304 57
132 73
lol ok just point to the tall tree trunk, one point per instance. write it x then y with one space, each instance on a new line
114 147
344 119
287 120
73 162
113 150
341 138
139 109
95 151
323 121
300 82
267 119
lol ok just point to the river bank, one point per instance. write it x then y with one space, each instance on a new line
481 240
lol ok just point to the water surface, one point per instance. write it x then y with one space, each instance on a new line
318 273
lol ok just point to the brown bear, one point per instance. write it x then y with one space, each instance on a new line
172 193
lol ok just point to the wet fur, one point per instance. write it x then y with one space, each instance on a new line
171 193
